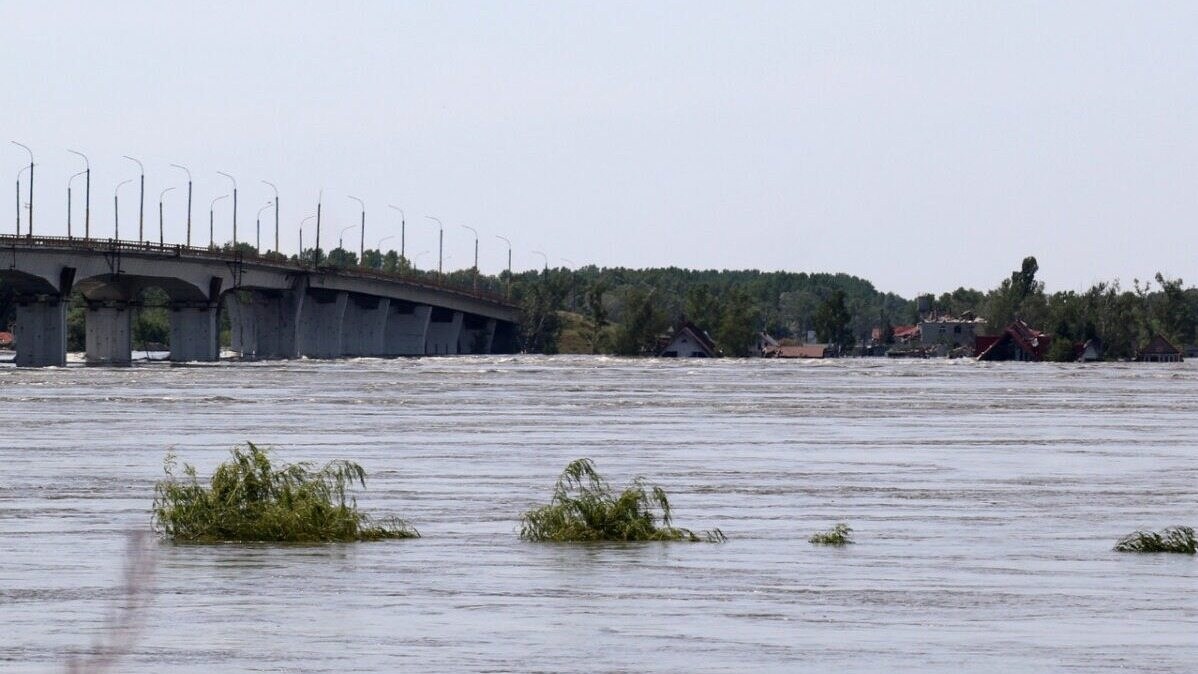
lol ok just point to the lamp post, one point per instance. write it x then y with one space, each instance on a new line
258 226
544 257
301 236
23 169
26 148
276 189
141 210
161 195
185 170
402 234
211 220
362 233
316 251
475 231
568 261
440 244
416 258
71 180
379 247
508 292
87 195
341 237
116 209
234 181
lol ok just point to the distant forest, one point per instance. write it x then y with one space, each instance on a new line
625 311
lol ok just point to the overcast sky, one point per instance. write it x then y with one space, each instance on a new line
920 145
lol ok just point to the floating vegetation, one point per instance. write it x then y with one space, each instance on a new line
252 500
1169 539
841 534
585 509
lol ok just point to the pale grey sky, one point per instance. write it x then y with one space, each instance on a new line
920 145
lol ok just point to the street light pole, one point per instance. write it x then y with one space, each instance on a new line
161 239
258 226
507 294
72 179
545 257
341 237
185 170
23 169
26 148
362 233
87 196
379 248
141 210
234 181
440 245
301 237
316 251
116 209
212 219
272 186
402 234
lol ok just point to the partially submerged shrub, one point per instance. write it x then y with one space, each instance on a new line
1169 539
252 500
841 534
584 508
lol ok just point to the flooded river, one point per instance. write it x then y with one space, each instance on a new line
985 500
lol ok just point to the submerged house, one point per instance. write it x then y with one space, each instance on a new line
688 341
1159 350
1017 341
1091 351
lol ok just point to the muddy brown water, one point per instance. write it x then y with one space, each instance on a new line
985 498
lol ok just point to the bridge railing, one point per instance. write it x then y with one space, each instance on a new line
241 255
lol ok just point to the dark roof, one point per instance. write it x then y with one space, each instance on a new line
1032 342
700 336
1159 345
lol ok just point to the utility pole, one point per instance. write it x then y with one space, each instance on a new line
440 244
362 233
116 209
508 293
212 219
69 182
160 220
402 234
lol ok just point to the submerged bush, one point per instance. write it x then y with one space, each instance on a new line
252 500
1169 539
584 508
841 534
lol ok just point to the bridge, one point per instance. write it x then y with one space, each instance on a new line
277 308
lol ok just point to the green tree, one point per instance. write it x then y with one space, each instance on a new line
832 321
642 323
597 313
737 329
541 326
702 308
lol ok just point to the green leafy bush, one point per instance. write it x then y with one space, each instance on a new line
249 499
1169 539
585 509
841 534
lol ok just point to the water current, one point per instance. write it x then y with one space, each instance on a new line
985 500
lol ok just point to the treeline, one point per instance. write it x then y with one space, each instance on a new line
625 311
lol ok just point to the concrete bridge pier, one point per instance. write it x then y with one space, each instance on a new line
194 332
364 326
109 338
477 334
41 331
444 331
319 327
263 324
407 329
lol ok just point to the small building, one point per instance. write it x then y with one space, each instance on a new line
949 331
688 341
798 351
1017 341
1091 351
1159 350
